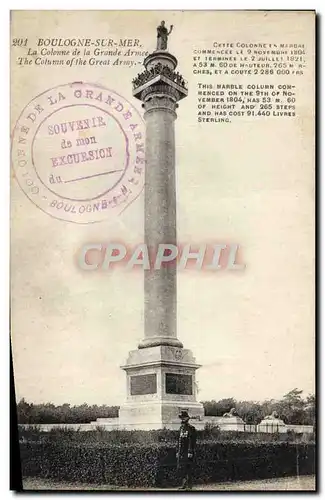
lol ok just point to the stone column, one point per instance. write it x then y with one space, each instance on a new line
160 286
160 373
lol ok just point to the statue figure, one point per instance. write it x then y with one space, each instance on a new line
274 416
162 36
231 413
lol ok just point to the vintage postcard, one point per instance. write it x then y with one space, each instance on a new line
162 249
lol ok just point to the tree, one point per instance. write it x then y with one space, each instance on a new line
310 409
218 408
250 411
24 412
49 413
291 407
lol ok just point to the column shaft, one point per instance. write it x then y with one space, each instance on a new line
160 286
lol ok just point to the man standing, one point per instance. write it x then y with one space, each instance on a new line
186 450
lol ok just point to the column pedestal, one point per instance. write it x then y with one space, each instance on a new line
160 383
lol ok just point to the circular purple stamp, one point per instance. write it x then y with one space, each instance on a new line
78 152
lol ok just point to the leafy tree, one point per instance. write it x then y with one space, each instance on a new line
292 408
218 408
250 411
48 413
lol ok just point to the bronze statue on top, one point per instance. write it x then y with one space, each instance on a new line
162 36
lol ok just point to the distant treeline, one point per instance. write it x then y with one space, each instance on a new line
29 413
292 408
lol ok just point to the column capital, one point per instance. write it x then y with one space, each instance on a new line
160 77
161 90
160 103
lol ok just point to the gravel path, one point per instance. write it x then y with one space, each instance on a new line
304 483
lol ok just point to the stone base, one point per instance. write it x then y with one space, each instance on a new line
234 423
160 383
159 415
272 425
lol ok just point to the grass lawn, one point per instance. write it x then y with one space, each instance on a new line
302 483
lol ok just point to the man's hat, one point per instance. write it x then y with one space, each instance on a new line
184 414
